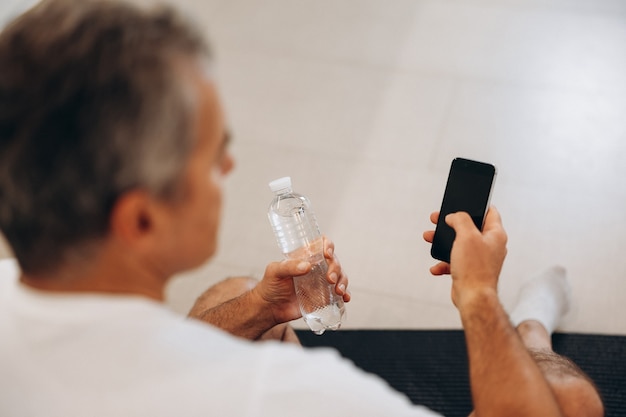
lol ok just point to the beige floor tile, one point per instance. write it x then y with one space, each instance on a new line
531 46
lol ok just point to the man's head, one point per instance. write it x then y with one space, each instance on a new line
98 100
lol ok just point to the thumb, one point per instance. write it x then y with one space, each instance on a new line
461 222
289 268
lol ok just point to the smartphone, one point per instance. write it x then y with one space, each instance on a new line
468 189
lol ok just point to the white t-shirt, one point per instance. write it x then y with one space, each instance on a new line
102 355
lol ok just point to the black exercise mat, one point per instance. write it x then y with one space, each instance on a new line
430 366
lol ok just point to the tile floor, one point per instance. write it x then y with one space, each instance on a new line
365 103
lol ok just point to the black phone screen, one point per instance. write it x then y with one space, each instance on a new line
468 189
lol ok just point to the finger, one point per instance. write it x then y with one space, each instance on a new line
493 220
288 268
434 217
429 235
493 227
329 248
333 274
461 222
342 285
441 268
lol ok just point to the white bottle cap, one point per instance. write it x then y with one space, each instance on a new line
281 185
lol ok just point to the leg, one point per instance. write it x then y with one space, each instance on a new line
574 390
231 288
542 303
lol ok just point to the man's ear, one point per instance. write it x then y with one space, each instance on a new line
136 218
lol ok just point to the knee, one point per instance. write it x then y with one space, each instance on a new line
578 397
573 389
233 287
221 292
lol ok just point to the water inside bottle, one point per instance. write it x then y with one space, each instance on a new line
326 318
321 307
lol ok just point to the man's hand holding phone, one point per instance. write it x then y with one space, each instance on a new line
476 258
468 237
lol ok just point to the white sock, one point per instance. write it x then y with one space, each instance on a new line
545 297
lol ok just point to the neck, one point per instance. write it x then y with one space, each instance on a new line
102 274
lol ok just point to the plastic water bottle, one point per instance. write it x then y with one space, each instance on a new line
299 237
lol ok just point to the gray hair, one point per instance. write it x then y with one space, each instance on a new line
92 104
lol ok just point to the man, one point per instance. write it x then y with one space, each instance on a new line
112 152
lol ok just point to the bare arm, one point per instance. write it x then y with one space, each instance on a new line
504 379
246 316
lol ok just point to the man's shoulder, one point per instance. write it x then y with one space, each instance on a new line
9 269
9 274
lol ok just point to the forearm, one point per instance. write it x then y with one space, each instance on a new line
504 378
245 316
